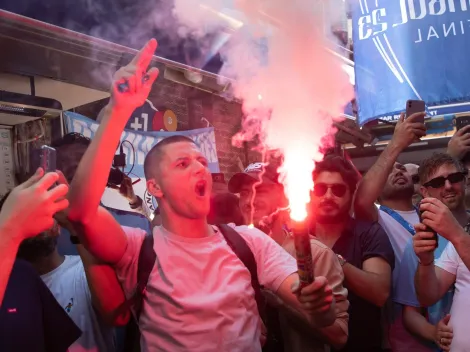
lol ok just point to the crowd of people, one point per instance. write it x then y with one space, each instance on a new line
390 250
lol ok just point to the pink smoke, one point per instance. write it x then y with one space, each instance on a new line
292 88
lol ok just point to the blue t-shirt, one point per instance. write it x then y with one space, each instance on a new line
31 319
405 293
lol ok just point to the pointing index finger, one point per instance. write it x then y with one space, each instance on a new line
144 56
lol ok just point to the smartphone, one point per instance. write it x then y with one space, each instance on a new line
115 177
44 157
414 106
461 122
428 228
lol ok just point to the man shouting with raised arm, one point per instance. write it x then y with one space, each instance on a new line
200 295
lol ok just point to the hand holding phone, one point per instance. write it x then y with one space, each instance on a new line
410 127
413 107
428 229
461 122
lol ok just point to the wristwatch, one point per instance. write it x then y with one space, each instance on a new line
341 259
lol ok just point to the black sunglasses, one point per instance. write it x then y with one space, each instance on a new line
440 181
337 189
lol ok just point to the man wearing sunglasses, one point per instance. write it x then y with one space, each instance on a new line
442 180
459 148
363 249
443 211
262 203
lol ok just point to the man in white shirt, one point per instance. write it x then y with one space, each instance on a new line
66 277
199 296
389 182
433 279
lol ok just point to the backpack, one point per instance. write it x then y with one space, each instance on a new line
147 258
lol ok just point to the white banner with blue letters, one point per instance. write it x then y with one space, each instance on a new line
142 143
411 49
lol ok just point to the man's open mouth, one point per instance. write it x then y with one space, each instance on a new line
200 188
401 180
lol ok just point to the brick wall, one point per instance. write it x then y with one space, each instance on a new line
191 106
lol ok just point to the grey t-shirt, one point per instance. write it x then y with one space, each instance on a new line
199 297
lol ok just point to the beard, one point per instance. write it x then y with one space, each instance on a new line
338 217
37 247
398 192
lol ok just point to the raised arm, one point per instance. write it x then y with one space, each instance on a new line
100 233
459 144
107 295
371 186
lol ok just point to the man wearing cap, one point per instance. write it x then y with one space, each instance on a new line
263 205
413 169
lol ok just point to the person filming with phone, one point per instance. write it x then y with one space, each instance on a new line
389 182
429 323
443 180
30 317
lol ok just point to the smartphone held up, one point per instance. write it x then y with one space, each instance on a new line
415 106
427 227
44 157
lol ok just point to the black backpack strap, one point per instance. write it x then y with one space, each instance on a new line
147 258
244 253
269 315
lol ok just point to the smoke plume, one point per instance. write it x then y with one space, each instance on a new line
292 87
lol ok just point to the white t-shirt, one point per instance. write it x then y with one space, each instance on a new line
199 296
69 286
451 262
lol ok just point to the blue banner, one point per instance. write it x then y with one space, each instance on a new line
142 142
410 49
